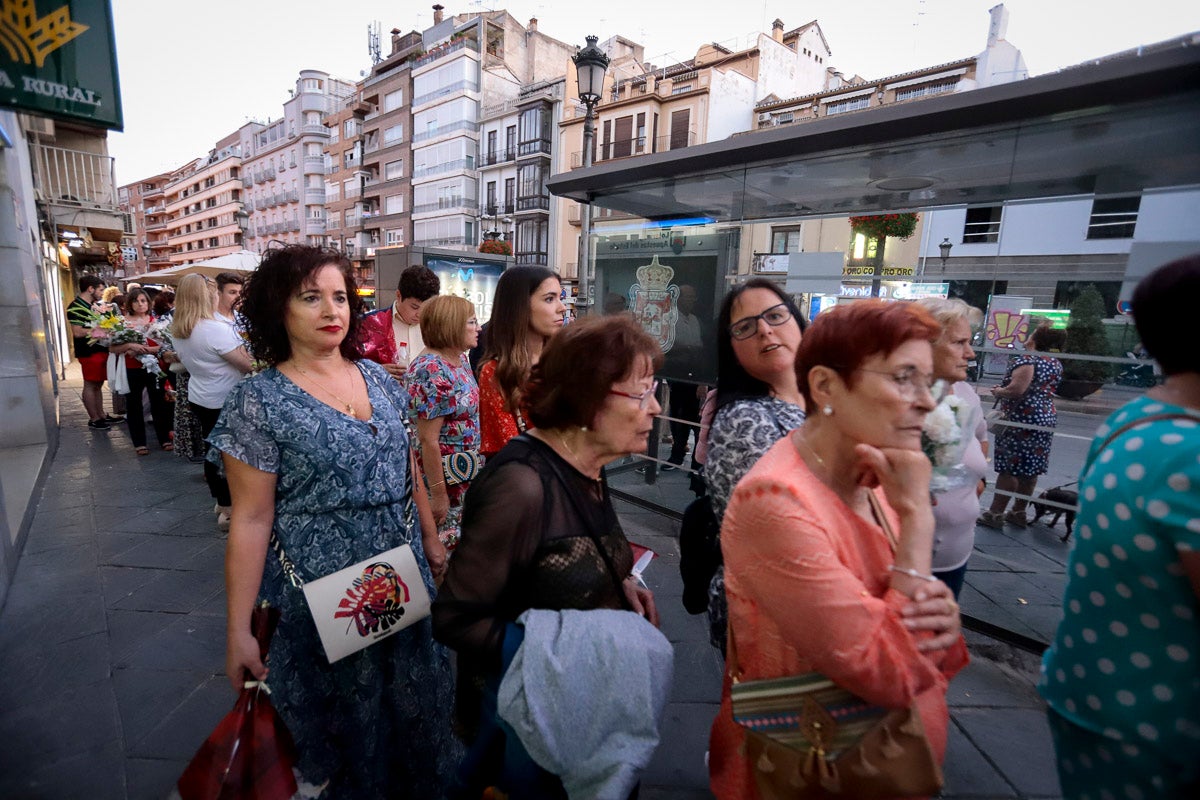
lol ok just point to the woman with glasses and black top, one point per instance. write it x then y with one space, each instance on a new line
538 527
758 332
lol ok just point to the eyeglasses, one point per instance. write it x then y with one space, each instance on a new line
746 327
643 398
909 379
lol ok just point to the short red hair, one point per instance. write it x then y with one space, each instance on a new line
845 336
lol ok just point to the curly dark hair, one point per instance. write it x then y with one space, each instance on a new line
279 277
418 283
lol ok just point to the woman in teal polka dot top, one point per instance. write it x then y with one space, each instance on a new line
1122 678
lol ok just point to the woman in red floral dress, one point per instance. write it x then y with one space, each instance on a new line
526 312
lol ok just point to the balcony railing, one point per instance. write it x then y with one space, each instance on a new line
448 166
467 85
444 241
460 125
638 145
314 197
450 204
314 164
75 177
533 204
498 157
534 147
445 50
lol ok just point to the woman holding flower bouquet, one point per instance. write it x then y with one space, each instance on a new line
143 373
955 438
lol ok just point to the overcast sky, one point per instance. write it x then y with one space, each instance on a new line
192 72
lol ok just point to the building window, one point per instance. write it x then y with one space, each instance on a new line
533 243
852 104
313 85
394 238
316 212
350 128
393 170
1113 217
393 100
510 194
982 225
393 134
785 240
687 87
333 191
393 204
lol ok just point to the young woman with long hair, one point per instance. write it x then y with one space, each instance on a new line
138 317
527 311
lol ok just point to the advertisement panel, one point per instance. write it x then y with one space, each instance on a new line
58 59
472 278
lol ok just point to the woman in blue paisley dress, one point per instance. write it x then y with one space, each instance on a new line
1022 454
316 454
444 403
758 400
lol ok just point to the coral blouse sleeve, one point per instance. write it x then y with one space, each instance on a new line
791 564
497 424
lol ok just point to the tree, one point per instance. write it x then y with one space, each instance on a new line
1085 336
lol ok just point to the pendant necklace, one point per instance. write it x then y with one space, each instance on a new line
563 439
349 406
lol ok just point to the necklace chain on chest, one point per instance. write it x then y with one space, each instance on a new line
328 391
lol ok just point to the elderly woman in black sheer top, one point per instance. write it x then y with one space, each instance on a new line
538 529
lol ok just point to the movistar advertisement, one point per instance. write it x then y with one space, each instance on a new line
472 278
58 58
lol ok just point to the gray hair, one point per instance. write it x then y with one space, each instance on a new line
948 310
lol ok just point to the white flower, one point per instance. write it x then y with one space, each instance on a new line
940 425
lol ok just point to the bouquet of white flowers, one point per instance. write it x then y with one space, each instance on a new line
943 443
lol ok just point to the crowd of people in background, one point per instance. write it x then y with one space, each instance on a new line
843 520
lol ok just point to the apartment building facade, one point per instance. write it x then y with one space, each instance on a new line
384 217
203 205
144 203
284 165
343 186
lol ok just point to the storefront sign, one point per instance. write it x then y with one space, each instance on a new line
58 58
855 291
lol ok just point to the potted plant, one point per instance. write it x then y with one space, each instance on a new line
1086 337
881 226
496 247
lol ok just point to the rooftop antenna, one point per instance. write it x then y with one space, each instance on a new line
373 48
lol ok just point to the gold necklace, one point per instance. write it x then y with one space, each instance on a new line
563 439
349 406
804 441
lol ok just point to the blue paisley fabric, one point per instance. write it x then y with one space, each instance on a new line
376 723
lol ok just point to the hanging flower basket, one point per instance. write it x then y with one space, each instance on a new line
881 226
496 247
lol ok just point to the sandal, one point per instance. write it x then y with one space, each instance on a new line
1017 518
142 451
168 447
990 519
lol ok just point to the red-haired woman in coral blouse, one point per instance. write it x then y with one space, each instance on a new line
813 580
527 310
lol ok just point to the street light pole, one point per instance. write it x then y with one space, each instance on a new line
590 65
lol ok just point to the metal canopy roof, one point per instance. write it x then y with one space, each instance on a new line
1123 125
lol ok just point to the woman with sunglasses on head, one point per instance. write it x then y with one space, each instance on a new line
759 330
828 538
538 527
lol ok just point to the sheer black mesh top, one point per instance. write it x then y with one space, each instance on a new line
526 544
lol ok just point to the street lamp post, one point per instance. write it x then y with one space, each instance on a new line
590 65
944 247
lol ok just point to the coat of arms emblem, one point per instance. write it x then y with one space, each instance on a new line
655 302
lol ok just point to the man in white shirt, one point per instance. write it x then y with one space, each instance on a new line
229 293
394 345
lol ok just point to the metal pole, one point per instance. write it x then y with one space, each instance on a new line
585 261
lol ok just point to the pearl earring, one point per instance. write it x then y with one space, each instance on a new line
827 410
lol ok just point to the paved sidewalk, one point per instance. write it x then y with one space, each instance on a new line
112 638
